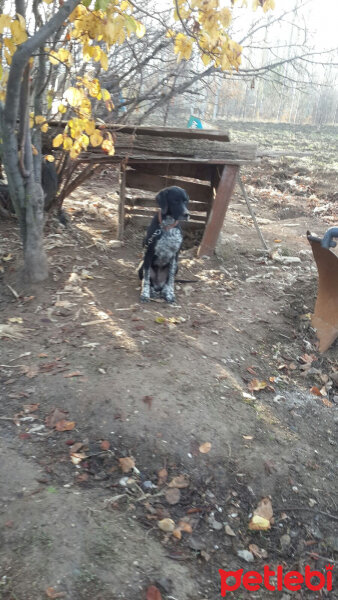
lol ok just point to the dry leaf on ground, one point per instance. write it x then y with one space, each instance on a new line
127 464
205 448
105 445
263 514
167 525
255 385
64 425
258 552
55 415
153 593
181 481
173 495
162 476
74 374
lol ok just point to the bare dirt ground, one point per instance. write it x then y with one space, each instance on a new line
174 387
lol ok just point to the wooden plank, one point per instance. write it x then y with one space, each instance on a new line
193 171
142 221
178 132
154 183
149 146
151 202
218 211
133 210
121 209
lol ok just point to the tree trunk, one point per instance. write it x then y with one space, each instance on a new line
17 155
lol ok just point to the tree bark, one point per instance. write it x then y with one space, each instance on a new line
24 187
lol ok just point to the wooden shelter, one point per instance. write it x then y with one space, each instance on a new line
204 162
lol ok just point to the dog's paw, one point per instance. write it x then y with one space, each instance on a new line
144 298
169 297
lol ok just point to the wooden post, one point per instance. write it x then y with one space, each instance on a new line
218 211
121 214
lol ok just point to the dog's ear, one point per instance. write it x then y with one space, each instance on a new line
162 201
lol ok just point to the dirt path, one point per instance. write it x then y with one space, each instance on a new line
155 383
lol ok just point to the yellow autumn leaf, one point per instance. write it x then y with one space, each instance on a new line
18 32
39 119
57 141
74 96
89 127
49 158
44 127
183 47
5 22
62 108
108 147
67 143
258 523
105 94
140 30
96 138
104 60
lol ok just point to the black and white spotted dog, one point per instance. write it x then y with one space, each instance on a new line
162 244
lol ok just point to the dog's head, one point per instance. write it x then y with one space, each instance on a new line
173 202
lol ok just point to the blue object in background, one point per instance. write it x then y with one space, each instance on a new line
194 123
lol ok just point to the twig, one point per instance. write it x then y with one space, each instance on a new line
243 190
315 555
319 512
15 294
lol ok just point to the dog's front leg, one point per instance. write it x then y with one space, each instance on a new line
168 290
145 289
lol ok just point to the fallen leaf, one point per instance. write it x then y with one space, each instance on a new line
127 464
177 534
173 495
64 425
162 476
262 517
247 437
258 552
29 408
82 478
255 385
315 390
153 593
54 416
167 525
52 593
30 372
259 524
184 526
105 445
77 457
205 448
251 370
229 531
181 481
327 402
148 400
15 320
74 374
